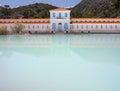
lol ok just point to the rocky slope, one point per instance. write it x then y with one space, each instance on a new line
85 9
97 8
37 10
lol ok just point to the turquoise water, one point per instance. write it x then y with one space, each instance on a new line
60 62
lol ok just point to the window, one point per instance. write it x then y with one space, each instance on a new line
96 26
66 15
106 27
101 26
115 26
66 26
28 26
11 27
87 26
77 26
82 26
53 26
47 27
53 14
33 27
38 26
91 26
72 26
59 15
111 27
42 27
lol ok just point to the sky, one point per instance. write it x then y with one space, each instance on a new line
59 3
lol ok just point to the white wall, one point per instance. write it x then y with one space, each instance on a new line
95 20
57 14
63 19
37 27
43 25
30 27
24 20
96 28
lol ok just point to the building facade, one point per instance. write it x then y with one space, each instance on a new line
60 21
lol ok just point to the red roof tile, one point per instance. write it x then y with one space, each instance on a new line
60 9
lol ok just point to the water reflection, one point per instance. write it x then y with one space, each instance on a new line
77 41
88 46
60 62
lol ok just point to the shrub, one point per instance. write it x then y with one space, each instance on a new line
17 28
117 4
3 30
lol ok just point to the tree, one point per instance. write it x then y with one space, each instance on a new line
28 13
17 28
117 4
6 12
3 30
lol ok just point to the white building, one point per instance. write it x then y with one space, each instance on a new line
60 21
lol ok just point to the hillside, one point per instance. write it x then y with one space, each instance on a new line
37 10
85 9
1 13
97 8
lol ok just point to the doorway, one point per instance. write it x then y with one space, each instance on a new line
60 27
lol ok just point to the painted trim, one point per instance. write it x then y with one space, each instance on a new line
60 9
96 23
95 18
25 23
28 19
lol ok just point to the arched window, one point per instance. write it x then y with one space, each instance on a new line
53 26
59 27
66 26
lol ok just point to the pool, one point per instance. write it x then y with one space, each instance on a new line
60 62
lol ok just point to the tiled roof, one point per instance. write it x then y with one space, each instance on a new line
28 19
95 23
95 19
60 9
26 23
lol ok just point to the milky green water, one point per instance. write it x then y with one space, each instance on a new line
60 62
